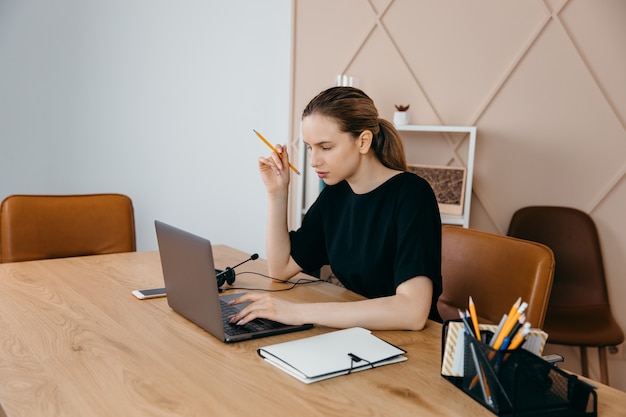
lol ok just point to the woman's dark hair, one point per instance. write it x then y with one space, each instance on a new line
355 112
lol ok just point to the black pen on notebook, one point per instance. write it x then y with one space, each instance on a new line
274 150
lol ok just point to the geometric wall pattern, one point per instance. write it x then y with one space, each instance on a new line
543 81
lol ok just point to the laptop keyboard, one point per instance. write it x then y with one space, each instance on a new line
256 325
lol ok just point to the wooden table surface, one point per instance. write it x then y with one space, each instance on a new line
75 342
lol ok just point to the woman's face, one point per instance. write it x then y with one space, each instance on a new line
335 155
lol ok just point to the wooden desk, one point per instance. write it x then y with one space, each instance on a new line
75 342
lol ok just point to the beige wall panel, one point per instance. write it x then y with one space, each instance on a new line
460 57
608 66
385 78
555 139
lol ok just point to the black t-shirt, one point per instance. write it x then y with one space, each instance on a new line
375 241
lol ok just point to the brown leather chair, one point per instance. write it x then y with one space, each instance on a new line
57 226
579 313
495 270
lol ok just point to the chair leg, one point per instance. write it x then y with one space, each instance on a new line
583 362
604 367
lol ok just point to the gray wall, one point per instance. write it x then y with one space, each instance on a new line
154 99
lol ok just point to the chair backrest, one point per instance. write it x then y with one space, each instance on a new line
495 270
579 278
57 226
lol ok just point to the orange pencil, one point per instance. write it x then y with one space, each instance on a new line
520 337
506 329
515 307
474 317
274 150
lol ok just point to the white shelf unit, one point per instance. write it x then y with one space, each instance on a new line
309 184
463 219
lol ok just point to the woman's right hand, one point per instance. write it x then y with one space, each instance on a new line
275 170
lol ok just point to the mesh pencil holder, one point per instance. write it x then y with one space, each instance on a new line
519 383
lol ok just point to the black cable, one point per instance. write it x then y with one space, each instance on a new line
300 281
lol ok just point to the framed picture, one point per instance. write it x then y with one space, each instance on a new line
448 183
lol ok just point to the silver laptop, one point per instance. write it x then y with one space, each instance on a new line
191 287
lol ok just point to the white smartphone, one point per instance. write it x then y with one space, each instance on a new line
149 293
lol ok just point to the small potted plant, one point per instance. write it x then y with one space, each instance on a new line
401 116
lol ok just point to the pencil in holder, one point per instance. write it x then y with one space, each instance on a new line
519 383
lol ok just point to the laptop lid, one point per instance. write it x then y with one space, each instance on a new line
191 286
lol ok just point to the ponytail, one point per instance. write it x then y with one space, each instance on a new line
388 146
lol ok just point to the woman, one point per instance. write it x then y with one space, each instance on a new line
376 225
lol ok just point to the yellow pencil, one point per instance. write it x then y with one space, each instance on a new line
515 307
474 317
506 319
520 336
506 329
274 150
